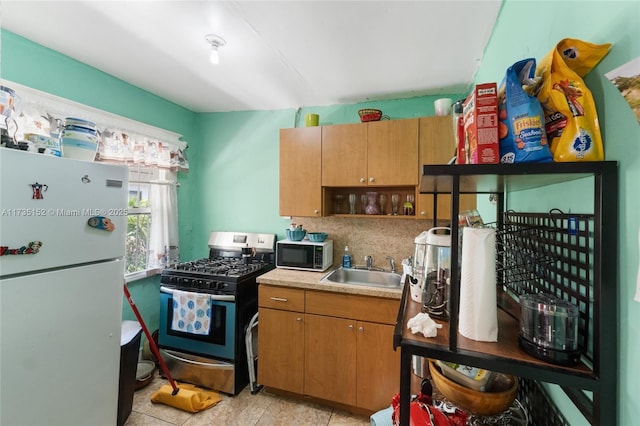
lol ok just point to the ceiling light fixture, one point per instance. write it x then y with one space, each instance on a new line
215 42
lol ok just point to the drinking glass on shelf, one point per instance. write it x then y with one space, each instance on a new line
339 203
352 203
363 201
408 206
395 200
383 203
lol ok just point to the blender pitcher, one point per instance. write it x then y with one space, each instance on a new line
418 272
437 267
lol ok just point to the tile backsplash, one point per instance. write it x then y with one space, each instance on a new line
377 237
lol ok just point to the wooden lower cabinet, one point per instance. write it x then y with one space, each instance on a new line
378 366
281 349
339 350
281 338
352 362
330 358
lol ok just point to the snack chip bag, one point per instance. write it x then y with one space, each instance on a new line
571 118
520 118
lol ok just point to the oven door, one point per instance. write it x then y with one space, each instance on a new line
218 343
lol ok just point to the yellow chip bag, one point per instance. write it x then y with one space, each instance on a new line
571 120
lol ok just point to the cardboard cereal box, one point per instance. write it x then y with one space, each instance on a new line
481 124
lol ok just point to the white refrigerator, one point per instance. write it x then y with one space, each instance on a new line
62 241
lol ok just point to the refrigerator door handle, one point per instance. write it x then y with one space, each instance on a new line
214 297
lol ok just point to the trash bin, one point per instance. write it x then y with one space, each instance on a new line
129 349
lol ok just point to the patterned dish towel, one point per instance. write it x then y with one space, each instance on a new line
191 312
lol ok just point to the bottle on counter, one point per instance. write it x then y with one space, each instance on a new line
346 258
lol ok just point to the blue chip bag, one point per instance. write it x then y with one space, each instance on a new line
521 129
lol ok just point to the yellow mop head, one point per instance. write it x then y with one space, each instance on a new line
189 397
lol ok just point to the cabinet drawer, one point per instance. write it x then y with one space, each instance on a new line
373 309
288 299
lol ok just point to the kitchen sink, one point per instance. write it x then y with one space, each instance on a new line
363 277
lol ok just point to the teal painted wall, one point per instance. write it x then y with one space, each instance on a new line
233 183
237 163
531 29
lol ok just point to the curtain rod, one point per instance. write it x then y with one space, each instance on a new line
156 182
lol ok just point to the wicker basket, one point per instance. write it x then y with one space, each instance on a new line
370 115
495 400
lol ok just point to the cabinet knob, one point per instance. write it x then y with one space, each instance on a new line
350 326
316 211
362 180
423 213
361 329
371 179
298 319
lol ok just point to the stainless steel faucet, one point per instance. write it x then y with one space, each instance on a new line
393 264
368 260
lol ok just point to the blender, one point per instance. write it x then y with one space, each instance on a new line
436 274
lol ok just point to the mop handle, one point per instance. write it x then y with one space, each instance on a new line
152 343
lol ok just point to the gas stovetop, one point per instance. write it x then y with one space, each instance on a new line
225 270
220 266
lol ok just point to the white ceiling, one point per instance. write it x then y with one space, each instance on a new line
279 54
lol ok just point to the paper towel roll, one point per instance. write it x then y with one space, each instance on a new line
478 315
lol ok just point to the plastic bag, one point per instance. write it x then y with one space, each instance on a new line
521 127
423 413
571 118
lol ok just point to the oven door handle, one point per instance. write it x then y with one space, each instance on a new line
214 297
217 364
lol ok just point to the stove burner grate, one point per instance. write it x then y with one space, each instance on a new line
232 267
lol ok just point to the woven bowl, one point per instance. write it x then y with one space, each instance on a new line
295 235
317 237
495 400
370 115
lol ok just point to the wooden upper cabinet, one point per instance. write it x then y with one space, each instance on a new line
437 147
392 152
381 153
300 172
344 155
436 140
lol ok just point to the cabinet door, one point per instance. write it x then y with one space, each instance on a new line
300 168
330 361
344 155
281 349
378 366
437 147
392 152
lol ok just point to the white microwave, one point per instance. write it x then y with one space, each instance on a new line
304 255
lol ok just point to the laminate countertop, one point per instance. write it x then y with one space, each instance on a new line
311 281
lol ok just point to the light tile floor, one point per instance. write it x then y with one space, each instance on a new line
244 409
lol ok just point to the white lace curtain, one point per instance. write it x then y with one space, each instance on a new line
123 147
163 197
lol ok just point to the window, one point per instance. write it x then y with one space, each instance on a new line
152 237
138 221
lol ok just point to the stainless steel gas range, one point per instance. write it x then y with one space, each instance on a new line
206 306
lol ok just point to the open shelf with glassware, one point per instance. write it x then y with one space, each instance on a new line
596 372
370 202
